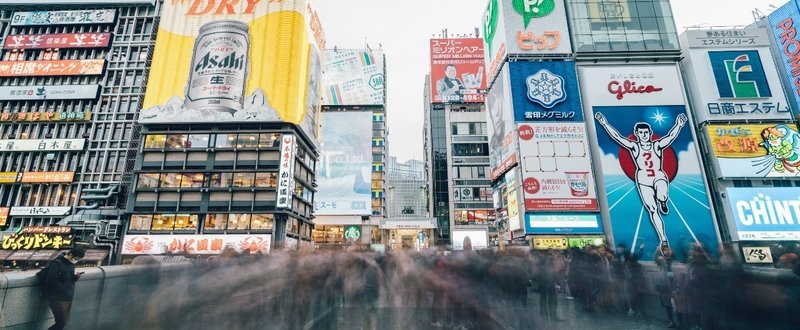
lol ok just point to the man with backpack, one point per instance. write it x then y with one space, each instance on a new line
58 284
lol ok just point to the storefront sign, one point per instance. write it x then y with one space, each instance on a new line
765 214
44 116
457 74
580 242
47 177
550 243
784 22
545 91
9 177
3 216
61 41
36 241
40 211
64 17
195 244
562 224
649 168
515 217
422 223
352 233
757 255
60 92
286 174
42 145
51 68
556 167
755 150
46 230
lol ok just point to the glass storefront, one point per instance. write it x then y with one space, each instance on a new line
622 25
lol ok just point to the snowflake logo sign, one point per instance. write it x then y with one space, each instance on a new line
546 88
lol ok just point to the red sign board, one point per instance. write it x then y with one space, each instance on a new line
63 40
457 71
51 68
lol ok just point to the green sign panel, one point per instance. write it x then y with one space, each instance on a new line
352 232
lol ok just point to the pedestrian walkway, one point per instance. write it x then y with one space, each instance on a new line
500 316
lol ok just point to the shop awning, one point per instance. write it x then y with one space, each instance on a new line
43 255
21 255
95 255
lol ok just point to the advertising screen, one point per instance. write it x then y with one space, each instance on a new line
457 71
344 175
502 131
732 75
545 91
353 77
478 239
649 167
562 224
783 22
755 150
244 61
556 167
524 27
765 213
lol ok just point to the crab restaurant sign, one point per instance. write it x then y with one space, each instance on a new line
194 244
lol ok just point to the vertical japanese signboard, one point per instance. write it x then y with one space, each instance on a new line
648 160
556 167
755 150
457 71
286 172
732 75
524 27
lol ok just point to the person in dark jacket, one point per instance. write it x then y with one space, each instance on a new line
59 285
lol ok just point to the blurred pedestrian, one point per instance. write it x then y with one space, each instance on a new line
59 285
665 282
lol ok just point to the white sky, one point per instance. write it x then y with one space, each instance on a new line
403 28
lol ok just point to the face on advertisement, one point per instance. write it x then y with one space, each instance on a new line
450 71
643 132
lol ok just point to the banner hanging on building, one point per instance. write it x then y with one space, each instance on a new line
63 17
733 79
536 223
502 131
195 244
48 116
345 173
545 91
649 168
765 213
457 71
784 22
40 211
51 68
556 167
353 77
286 172
755 150
235 61
54 92
61 41
42 145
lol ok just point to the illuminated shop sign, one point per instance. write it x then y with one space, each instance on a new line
37 177
36 241
40 211
46 230
286 173
195 244
60 92
3 216
51 68
60 40
765 214
63 17
563 224
550 243
45 116
42 145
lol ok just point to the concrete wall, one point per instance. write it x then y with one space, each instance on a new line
100 296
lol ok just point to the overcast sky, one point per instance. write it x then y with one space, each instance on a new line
403 27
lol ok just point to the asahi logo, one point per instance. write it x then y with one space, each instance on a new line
231 61
630 87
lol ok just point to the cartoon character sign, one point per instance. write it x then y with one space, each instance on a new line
783 144
755 150
651 171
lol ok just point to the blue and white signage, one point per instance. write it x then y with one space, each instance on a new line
765 214
545 91
784 23
563 223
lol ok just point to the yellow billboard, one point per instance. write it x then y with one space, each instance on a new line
755 150
236 61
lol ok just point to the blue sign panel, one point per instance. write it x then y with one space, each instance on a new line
545 91
784 23
766 214
563 223
739 74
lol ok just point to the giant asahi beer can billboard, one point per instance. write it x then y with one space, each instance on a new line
649 168
236 61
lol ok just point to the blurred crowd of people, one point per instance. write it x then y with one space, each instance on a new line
431 289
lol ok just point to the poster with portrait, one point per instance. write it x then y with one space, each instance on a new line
502 131
457 71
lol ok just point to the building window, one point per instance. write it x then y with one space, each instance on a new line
141 222
267 180
170 180
221 180
262 221
247 141
147 180
193 180
185 222
163 222
238 221
215 222
197 141
243 179
176 141
225 141
155 141
267 140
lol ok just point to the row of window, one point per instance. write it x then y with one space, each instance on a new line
465 217
202 141
470 172
213 222
469 129
214 180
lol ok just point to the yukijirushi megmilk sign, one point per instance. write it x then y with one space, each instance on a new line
254 60
649 168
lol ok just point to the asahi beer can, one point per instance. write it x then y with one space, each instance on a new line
220 67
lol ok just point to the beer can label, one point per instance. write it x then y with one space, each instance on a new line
219 71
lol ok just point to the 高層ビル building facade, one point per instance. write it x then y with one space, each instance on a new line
227 151
71 81
407 224
351 199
